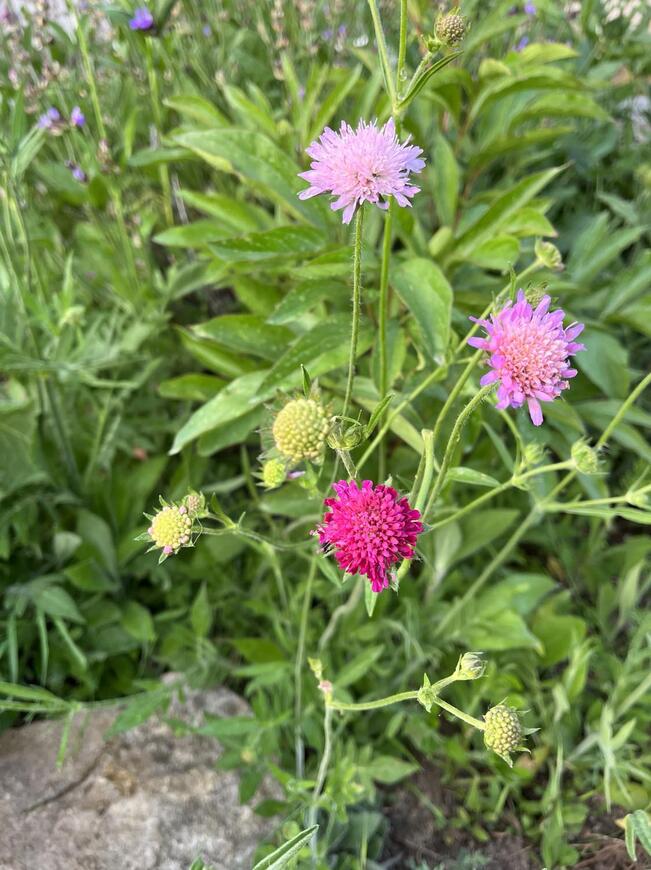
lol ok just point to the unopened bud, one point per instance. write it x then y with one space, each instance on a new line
549 255
346 439
532 454
585 458
195 502
451 29
471 666
503 733
300 430
274 473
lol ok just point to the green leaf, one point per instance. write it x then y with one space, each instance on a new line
519 592
502 209
240 396
282 856
262 164
279 243
240 217
446 180
471 477
235 432
637 827
136 621
500 631
232 726
359 666
28 693
483 527
389 770
605 362
197 108
305 296
193 387
325 336
548 78
56 602
246 333
137 711
424 289
500 253
370 599
258 649
195 235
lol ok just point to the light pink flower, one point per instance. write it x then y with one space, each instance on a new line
529 354
368 164
370 529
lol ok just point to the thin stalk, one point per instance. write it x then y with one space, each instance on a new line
299 747
457 429
402 47
163 169
428 468
382 323
341 611
382 51
357 298
435 373
321 773
617 419
373 705
455 711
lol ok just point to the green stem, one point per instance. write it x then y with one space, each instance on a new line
402 46
322 772
163 169
428 468
382 51
455 436
617 419
373 705
382 323
299 748
341 611
455 711
357 296
435 373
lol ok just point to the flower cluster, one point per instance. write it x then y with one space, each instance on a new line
142 20
370 529
52 120
368 164
529 354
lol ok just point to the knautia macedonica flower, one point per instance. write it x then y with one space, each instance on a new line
77 117
529 354
370 528
503 733
50 120
171 529
142 19
300 429
368 164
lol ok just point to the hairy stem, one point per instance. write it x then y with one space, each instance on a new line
357 300
299 748
382 324
382 51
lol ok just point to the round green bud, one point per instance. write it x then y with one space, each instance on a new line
450 29
503 732
585 458
195 503
471 666
549 255
300 430
273 473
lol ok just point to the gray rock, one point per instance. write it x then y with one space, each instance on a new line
144 800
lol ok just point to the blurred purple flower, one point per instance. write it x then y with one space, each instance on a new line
49 119
524 42
142 19
327 34
77 117
529 8
206 30
77 172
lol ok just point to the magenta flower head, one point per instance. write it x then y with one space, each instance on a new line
529 354
142 19
368 164
370 529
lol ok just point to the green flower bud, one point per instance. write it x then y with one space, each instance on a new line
503 732
300 430
585 458
532 454
195 502
549 255
346 439
471 666
273 473
425 695
451 29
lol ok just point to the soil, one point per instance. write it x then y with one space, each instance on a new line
418 838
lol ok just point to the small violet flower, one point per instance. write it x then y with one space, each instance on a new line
77 172
142 19
368 164
49 119
77 117
522 44
529 9
370 529
529 354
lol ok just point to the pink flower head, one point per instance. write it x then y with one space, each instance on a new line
362 165
529 351
370 529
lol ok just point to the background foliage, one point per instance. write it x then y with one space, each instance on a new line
151 314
